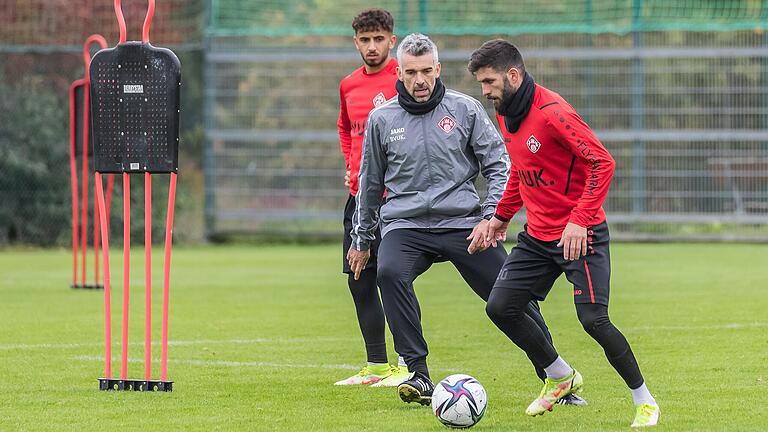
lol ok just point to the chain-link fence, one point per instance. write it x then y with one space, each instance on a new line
677 90
678 94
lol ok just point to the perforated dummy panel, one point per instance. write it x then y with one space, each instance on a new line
135 91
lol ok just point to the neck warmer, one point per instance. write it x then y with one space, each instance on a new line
418 108
516 108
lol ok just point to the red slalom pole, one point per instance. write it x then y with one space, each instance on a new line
126 270
167 278
84 193
148 274
96 241
107 293
110 187
73 176
147 21
98 39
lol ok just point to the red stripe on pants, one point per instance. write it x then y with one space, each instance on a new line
589 281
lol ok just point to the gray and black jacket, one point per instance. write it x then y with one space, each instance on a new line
428 164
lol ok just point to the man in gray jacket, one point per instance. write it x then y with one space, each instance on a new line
425 148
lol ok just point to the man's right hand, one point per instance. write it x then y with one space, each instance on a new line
477 238
346 178
496 231
357 260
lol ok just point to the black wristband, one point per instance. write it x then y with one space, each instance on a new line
501 218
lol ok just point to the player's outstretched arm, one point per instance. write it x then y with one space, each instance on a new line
575 134
368 200
344 127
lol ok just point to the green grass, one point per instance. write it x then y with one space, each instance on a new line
695 315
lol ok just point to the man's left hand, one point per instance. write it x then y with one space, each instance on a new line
573 241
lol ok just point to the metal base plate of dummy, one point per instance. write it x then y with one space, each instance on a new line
87 286
108 384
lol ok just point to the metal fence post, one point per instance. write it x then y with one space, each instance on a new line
637 112
423 17
590 78
209 102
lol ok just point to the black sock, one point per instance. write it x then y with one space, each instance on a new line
594 319
419 366
533 311
370 314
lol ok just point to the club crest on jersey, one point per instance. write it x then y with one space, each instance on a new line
447 124
379 99
533 144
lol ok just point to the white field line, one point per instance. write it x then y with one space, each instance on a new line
228 363
649 328
731 326
116 342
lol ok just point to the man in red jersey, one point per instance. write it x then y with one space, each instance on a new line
364 89
561 174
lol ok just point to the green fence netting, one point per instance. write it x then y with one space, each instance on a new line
276 18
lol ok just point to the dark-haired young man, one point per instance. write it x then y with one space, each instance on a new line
560 173
364 89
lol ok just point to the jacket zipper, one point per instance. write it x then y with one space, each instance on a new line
429 169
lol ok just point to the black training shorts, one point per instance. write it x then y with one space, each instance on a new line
534 265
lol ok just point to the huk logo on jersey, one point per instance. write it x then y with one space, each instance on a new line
379 99
447 124
533 144
534 178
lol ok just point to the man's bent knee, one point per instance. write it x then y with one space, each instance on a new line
502 307
388 275
592 316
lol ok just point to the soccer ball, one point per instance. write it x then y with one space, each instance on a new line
459 401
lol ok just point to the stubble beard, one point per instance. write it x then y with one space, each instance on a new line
374 64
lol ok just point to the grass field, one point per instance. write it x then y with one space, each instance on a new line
260 333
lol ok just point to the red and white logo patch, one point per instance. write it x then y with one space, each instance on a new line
447 124
379 99
533 144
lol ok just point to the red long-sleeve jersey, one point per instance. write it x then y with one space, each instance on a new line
359 93
560 170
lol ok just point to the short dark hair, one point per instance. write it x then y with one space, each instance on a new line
373 19
498 54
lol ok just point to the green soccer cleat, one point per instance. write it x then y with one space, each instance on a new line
398 376
646 415
369 374
553 391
